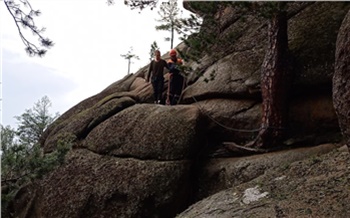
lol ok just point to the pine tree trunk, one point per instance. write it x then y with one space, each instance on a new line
129 66
274 87
172 37
341 79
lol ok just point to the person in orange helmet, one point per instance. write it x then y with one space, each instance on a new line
176 80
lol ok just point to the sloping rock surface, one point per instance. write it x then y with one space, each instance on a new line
93 185
317 186
137 130
134 159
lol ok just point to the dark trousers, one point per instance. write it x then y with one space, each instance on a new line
158 86
175 89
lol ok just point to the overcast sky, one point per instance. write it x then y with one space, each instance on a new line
89 38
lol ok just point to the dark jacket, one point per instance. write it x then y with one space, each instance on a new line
156 69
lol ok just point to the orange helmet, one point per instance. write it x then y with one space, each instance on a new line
173 52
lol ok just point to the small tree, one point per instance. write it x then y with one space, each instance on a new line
33 122
22 158
23 14
154 47
128 56
169 13
7 135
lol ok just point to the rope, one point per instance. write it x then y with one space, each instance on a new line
235 129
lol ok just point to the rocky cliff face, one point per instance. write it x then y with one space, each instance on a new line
131 158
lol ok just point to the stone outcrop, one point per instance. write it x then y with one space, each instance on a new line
341 83
313 187
93 185
136 131
131 158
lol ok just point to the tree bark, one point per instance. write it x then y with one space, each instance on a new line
341 79
172 36
129 66
274 84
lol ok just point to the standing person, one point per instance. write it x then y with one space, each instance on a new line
156 73
176 80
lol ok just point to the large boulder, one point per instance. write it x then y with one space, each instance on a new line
149 131
94 185
314 186
80 124
90 105
312 33
136 163
235 65
341 78
220 174
230 119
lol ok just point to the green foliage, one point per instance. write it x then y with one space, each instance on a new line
190 25
199 33
169 13
211 76
33 122
128 56
205 7
22 158
7 137
154 47
23 15
138 4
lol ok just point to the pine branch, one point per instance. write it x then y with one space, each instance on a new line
14 180
140 4
27 21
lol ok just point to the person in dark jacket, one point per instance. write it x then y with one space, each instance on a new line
176 80
156 74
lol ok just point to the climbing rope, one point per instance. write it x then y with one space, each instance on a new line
234 129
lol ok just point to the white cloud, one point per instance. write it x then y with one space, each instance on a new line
89 38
